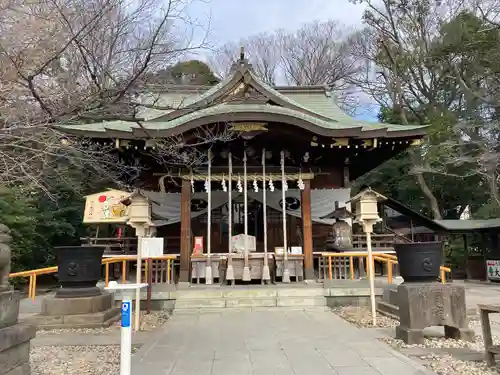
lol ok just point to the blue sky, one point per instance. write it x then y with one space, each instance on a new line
232 20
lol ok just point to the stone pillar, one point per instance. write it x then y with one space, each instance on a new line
307 246
186 243
14 337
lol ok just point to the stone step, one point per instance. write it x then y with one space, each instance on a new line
190 311
250 293
241 302
192 303
393 296
301 301
387 309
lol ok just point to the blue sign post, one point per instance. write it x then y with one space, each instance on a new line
126 314
126 323
126 340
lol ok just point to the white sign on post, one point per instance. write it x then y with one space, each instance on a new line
493 269
152 247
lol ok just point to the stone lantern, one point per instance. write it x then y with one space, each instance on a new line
366 214
139 218
366 208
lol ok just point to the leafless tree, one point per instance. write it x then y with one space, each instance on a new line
77 61
316 54
261 50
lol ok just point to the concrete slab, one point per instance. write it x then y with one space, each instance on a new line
272 341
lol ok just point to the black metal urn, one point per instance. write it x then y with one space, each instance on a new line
419 261
79 270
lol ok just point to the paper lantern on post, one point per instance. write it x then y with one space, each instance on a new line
366 204
139 210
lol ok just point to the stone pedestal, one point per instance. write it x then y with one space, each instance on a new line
80 312
14 338
424 305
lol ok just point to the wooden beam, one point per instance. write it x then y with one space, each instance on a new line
307 247
186 244
250 176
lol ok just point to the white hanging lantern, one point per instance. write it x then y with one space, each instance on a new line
255 186
300 183
223 184
239 185
192 184
271 185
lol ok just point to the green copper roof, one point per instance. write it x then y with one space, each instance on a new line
126 126
312 108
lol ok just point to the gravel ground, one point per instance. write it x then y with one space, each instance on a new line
362 317
442 364
447 365
148 323
75 360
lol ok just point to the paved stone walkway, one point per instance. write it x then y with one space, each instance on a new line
267 342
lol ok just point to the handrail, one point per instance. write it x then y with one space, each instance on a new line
32 274
389 259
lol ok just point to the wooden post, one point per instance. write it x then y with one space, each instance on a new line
466 248
230 268
307 246
266 273
246 268
149 275
208 264
185 231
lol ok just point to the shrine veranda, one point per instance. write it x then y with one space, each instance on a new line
280 149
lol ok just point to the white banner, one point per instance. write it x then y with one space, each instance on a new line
166 207
152 247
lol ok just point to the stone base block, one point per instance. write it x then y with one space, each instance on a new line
9 308
92 320
410 336
82 312
15 349
53 306
422 305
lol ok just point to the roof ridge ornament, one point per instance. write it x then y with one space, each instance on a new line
242 62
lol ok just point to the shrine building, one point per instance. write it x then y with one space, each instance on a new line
253 172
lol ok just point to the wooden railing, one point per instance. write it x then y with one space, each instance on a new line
379 241
338 262
162 271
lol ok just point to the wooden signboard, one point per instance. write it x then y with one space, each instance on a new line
198 246
106 207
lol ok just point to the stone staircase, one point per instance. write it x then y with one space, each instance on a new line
388 305
193 300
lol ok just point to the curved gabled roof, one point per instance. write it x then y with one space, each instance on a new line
311 108
235 113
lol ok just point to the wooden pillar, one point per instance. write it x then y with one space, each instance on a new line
307 247
186 243
466 248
